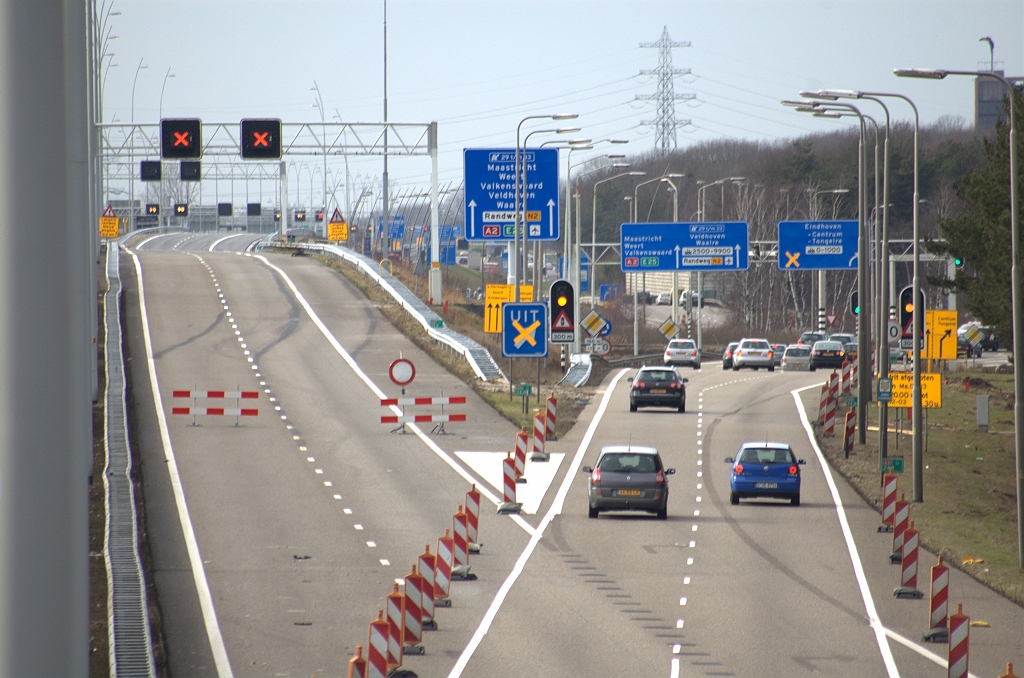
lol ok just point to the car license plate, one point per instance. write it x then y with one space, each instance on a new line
755 353
658 390
829 354
766 486
627 493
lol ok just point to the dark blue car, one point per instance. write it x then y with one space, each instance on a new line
765 470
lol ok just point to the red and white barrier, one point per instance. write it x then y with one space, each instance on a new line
549 426
901 517
509 468
938 597
822 403
521 444
845 379
412 635
443 570
829 422
908 567
216 394
460 538
959 643
395 607
473 519
851 427
421 418
890 481
357 665
427 563
377 648
453 400
833 385
217 411
539 424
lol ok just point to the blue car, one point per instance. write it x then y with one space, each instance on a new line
765 470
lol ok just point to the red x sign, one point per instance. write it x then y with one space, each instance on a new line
181 139
259 139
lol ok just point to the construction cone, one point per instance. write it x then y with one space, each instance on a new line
443 570
357 665
938 595
509 505
377 648
412 635
473 519
908 566
427 564
959 643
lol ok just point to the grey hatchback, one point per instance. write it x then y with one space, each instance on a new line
628 478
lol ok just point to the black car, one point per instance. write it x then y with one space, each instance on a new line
808 338
827 354
727 356
657 387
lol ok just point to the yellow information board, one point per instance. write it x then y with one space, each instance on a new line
109 227
931 390
940 333
494 297
337 230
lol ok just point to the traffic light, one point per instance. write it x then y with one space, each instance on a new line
149 170
261 139
152 209
190 170
562 307
253 209
300 215
855 303
181 209
320 215
958 262
181 138
907 309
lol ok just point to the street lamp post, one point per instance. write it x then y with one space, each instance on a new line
1015 283
675 219
323 133
131 157
536 248
701 208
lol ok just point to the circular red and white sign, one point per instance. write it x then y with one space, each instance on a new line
402 372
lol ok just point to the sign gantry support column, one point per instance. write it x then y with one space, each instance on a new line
434 277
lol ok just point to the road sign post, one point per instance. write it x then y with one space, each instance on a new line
705 246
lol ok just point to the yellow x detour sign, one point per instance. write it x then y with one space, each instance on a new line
524 330
791 260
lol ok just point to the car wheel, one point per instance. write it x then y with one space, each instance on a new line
812 368
734 498
697 366
771 368
795 500
632 406
735 367
593 512
682 405
663 513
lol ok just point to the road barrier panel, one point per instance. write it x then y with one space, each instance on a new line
443 570
421 418
357 665
439 419
833 385
508 467
908 566
446 400
890 481
427 564
412 636
851 428
938 596
539 424
845 378
901 516
521 445
829 423
959 643
236 412
549 427
395 606
377 648
460 547
822 403
473 519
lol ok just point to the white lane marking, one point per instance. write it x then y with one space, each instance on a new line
380 394
227 237
372 544
851 546
347 511
682 601
213 634
674 673
556 509
358 527
337 496
540 475
923 651
385 562
686 580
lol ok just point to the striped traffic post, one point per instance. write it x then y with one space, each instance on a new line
829 423
377 648
908 565
959 643
890 481
538 453
443 570
461 537
851 427
522 441
938 597
473 519
549 426
427 564
901 516
357 665
845 378
833 386
412 636
822 403
508 476
395 606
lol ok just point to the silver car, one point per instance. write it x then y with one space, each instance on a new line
628 478
682 352
753 353
796 358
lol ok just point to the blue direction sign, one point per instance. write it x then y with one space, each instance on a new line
524 330
816 245
396 226
490 193
701 246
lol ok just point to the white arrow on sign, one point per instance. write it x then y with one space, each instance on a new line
677 256
551 218
472 216
737 255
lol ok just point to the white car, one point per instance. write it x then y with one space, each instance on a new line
663 299
796 358
682 352
753 353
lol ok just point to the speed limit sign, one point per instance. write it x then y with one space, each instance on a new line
894 332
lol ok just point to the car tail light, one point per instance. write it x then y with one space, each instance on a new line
738 469
842 353
596 475
693 352
793 470
660 478
770 354
674 384
640 384
815 352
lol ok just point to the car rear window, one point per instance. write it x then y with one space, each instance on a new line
797 352
625 463
766 455
682 344
657 375
755 344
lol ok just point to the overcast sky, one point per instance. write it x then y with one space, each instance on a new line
479 67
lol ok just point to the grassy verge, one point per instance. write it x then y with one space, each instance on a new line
99 659
969 510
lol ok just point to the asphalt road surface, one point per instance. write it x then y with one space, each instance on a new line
305 515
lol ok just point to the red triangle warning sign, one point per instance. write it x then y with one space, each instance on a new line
562 323
908 331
